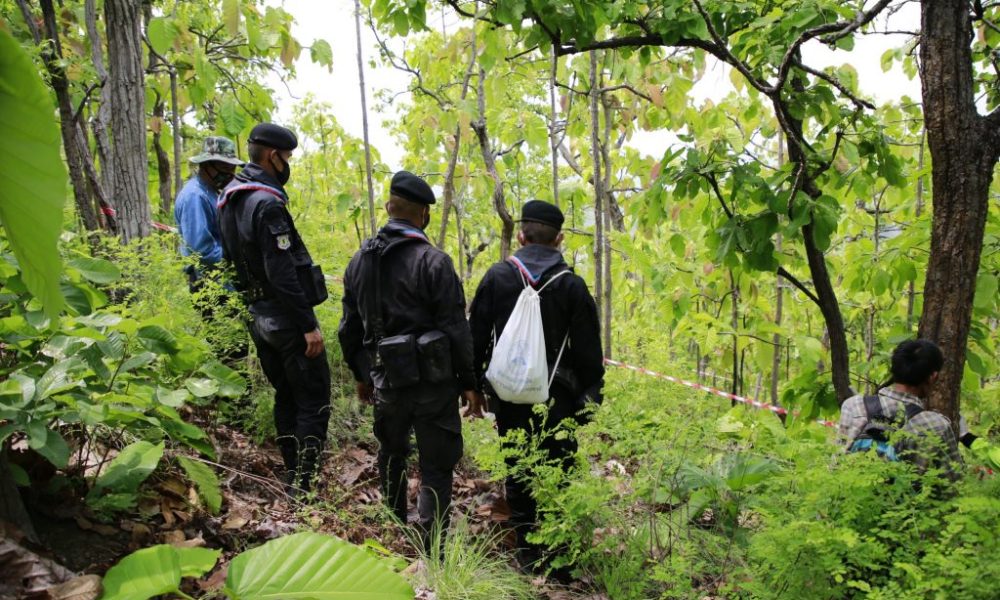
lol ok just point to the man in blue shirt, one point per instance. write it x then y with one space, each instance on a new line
195 209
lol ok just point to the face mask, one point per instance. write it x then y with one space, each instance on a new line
427 219
221 179
284 172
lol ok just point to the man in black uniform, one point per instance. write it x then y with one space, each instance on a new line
406 339
571 327
281 286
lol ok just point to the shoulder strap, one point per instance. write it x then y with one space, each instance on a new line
373 249
249 187
912 409
553 278
873 409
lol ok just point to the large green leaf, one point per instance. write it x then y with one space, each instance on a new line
204 478
33 174
155 571
131 467
157 339
97 270
143 574
314 566
231 383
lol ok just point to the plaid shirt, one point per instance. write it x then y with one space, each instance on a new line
931 442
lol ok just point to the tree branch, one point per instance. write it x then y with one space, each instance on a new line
29 20
625 86
794 281
835 83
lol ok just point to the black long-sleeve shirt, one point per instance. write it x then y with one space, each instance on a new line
421 292
566 305
256 225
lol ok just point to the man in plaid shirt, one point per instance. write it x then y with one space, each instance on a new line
928 441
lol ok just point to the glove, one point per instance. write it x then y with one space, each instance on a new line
987 453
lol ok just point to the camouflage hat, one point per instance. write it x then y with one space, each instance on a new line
220 149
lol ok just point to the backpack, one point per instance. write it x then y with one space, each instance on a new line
879 427
519 369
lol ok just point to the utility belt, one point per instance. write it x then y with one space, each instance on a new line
402 361
311 280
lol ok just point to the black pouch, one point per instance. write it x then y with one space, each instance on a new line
434 351
313 283
398 358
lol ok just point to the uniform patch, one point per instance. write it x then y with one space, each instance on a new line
284 242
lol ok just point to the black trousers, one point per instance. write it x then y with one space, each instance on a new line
510 417
301 385
432 413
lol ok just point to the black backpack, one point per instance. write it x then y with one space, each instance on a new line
880 426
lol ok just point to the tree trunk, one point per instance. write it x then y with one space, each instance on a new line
598 181
553 129
911 295
963 147
449 176
489 161
128 117
364 119
102 119
72 144
162 161
175 130
606 228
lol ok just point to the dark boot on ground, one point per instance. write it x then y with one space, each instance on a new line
289 448
309 464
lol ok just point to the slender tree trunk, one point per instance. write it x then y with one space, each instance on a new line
102 119
830 308
911 295
128 117
606 228
489 161
72 144
553 127
449 176
364 118
964 149
175 130
598 181
735 317
162 161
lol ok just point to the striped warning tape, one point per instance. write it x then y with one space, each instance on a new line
711 390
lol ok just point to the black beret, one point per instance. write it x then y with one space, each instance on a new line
538 211
408 186
273 136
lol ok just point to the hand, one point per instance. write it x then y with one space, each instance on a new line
366 393
474 402
987 453
314 343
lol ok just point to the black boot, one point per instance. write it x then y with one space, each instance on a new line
309 463
392 477
289 448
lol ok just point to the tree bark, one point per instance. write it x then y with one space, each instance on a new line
911 295
364 119
449 176
553 129
162 162
598 181
489 161
102 118
606 228
73 145
964 150
130 176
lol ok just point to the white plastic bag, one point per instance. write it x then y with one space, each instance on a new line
519 370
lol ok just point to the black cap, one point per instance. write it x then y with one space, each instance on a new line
408 186
538 211
273 136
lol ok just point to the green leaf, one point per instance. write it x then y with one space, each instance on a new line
161 33
231 383
33 174
322 54
311 565
172 398
201 388
233 119
157 339
195 562
143 574
205 480
131 467
231 16
986 290
97 270
54 449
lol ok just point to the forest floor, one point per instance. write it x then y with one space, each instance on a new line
256 509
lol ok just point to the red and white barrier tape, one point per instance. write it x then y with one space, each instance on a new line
691 384
162 227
